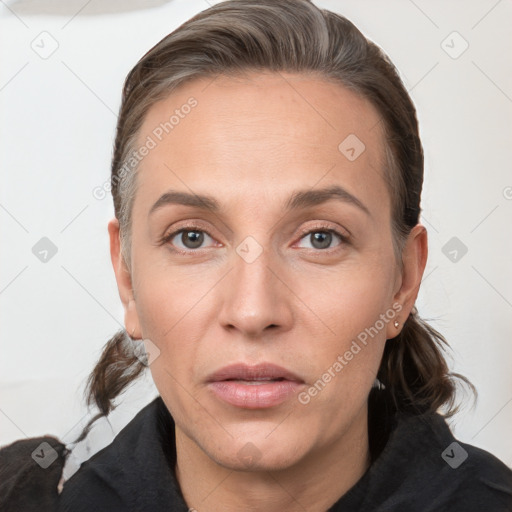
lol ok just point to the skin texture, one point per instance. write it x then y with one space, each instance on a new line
250 142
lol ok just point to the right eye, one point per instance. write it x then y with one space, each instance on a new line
190 238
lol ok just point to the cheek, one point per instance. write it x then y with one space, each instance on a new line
171 321
346 365
356 308
175 313
170 296
350 298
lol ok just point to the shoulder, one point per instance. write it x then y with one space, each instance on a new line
89 488
115 477
101 481
459 476
483 479
423 467
30 473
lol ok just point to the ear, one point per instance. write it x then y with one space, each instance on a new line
414 256
124 281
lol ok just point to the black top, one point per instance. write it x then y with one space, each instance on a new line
421 468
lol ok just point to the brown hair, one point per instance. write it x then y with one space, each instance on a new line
237 36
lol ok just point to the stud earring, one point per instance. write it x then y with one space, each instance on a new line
396 324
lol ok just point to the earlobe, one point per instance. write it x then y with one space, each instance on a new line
414 258
131 320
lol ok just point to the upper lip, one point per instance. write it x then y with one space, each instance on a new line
261 371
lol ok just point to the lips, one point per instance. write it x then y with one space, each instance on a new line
254 387
259 372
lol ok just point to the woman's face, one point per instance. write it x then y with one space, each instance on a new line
292 267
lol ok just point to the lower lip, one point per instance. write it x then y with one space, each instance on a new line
254 396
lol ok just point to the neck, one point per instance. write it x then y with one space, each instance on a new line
314 483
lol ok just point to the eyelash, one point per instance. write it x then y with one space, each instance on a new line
320 228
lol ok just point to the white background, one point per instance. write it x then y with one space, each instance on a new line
56 133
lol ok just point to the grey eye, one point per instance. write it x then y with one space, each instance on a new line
321 239
192 239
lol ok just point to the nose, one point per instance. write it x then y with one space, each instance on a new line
256 300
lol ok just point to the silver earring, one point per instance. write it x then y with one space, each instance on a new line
396 324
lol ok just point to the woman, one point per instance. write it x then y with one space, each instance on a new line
266 177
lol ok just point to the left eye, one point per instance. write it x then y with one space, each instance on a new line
189 238
322 239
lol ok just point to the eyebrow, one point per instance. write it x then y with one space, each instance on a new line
186 199
305 198
298 199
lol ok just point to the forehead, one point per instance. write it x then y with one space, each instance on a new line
261 133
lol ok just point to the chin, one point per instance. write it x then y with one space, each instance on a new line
248 454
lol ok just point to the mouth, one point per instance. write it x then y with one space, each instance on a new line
254 382
254 387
